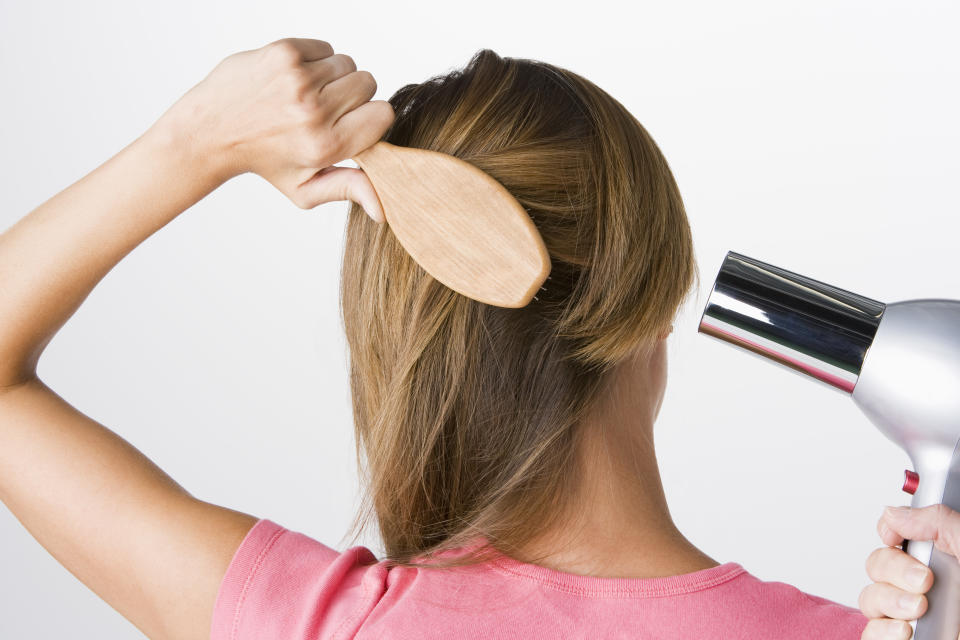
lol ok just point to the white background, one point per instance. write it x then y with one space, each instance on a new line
817 136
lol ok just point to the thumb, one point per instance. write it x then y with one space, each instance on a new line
340 183
936 522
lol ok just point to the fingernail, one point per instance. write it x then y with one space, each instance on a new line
894 629
897 511
916 575
884 529
909 602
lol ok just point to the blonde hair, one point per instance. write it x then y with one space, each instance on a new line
468 413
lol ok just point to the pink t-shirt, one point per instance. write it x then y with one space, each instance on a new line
283 585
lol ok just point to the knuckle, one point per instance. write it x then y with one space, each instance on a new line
940 511
228 59
320 115
951 519
873 562
333 141
387 115
317 151
354 184
886 629
948 528
300 83
348 61
941 521
869 601
367 79
863 600
319 155
283 52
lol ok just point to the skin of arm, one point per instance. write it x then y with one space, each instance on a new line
288 112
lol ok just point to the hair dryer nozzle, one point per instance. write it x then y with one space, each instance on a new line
806 325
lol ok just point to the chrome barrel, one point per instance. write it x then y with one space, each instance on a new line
806 325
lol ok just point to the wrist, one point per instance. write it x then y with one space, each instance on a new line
204 161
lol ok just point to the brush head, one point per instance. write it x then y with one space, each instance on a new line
461 225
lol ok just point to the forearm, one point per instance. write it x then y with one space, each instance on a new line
113 518
54 256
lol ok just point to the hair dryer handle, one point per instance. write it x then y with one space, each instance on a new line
940 622
942 618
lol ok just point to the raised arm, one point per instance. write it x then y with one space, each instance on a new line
286 111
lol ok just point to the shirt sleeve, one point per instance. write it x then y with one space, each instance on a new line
283 584
835 621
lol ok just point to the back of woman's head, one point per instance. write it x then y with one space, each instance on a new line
468 413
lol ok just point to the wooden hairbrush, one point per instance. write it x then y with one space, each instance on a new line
461 225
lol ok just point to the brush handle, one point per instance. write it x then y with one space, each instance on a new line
942 618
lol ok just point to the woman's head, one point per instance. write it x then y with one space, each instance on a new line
467 413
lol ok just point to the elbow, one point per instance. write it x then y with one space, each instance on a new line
17 371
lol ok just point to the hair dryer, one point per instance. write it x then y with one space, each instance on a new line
900 362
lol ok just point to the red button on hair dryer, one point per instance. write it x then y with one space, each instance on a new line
900 362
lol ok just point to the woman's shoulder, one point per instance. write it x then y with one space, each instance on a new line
280 580
788 605
282 583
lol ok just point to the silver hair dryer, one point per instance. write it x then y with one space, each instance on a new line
900 362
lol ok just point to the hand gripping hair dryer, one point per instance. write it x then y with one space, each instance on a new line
900 362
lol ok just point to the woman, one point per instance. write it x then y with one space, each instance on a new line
509 451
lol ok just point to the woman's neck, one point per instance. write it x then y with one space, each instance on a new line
619 523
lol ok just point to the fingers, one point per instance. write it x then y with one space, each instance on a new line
883 629
880 599
935 522
363 126
329 69
339 183
334 118
301 49
892 565
889 537
348 92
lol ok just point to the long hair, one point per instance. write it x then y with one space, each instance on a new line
468 413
